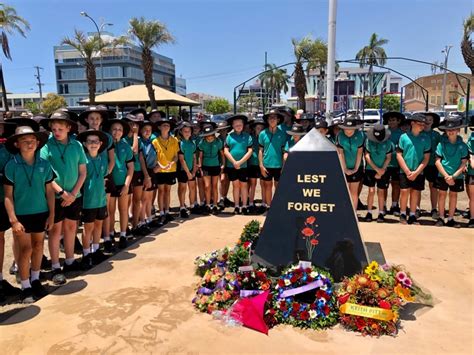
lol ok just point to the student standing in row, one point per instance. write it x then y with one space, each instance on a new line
296 133
256 126
187 170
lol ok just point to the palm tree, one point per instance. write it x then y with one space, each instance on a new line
149 34
466 43
274 80
372 54
10 23
89 48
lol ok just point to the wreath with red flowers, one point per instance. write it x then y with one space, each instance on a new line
304 298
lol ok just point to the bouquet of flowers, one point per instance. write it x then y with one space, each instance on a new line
253 282
217 291
304 298
250 234
208 261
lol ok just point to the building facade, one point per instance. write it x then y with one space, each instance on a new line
121 68
181 86
18 102
415 97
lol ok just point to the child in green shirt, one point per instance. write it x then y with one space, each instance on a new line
187 168
296 133
256 126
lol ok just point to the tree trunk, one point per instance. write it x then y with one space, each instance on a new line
147 65
371 80
4 90
300 85
91 80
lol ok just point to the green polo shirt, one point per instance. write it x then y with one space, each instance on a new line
451 156
284 127
273 145
470 147
350 146
5 156
93 190
435 138
65 160
136 157
238 145
123 155
289 144
413 149
187 148
253 161
394 138
29 184
149 152
378 152
210 152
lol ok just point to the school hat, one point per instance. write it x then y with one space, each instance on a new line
184 124
436 119
274 112
82 137
162 113
306 117
59 116
321 123
207 121
296 130
72 115
417 117
8 128
395 114
256 121
378 133
165 120
232 118
100 109
22 121
452 123
129 117
286 111
351 122
125 126
208 131
146 123
137 111
335 121
20 131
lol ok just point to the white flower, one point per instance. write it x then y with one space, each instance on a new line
324 287
312 314
314 274
323 300
287 282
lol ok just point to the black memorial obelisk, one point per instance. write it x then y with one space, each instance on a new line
311 215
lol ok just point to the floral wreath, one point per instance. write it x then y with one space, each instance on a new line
208 261
288 309
217 291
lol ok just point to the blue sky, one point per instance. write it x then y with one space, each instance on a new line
221 43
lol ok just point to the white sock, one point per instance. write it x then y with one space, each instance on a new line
86 252
95 247
403 212
394 204
412 213
25 284
35 275
123 234
55 266
112 234
106 239
1 276
167 211
148 220
69 261
183 208
450 218
162 213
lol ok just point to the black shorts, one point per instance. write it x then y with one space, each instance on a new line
137 179
273 174
109 184
469 180
116 189
356 177
442 185
183 177
154 183
431 173
254 172
4 220
211 170
89 215
72 212
393 173
165 178
241 174
198 174
371 181
418 184
34 223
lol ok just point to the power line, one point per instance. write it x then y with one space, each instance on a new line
40 85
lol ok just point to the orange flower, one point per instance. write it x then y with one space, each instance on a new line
311 220
403 293
307 232
375 326
362 280
314 242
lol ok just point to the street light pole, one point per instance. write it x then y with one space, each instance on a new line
446 55
331 55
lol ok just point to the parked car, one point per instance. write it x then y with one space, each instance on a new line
371 116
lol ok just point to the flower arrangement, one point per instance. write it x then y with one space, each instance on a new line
304 298
255 280
208 261
250 234
310 235
218 289
239 256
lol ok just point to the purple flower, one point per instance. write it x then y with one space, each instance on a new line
401 276
407 282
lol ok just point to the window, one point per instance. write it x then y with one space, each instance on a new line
394 87
345 87
72 74
109 72
433 100
438 100
17 102
77 88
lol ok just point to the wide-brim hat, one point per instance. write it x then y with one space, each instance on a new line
223 125
306 117
72 115
208 131
256 121
436 119
8 127
137 111
59 116
146 123
21 121
125 126
100 109
321 123
285 111
165 120
274 112
20 131
351 122
232 118
296 130
335 121
82 137
207 121
378 133
162 113
417 117
452 123
395 114
184 124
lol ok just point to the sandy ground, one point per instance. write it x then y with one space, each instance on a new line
140 300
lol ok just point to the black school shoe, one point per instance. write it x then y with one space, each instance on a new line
39 291
471 223
86 262
75 266
236 210
27 296
245 211
45 263
368 217
403 218
412 220
360 205
156 223
394 210
122 243
434 214
215 210
221 204
7 289
98 257
195 209
108 246
381 218
58 277
168 218
13 269
227 202
452 223
183 213
439 222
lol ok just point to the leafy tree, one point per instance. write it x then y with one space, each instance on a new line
249 102
274 80
372 54
466 43
149 34
217 106
390 102
52 102
33 107
10 23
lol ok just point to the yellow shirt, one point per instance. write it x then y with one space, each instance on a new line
166 151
